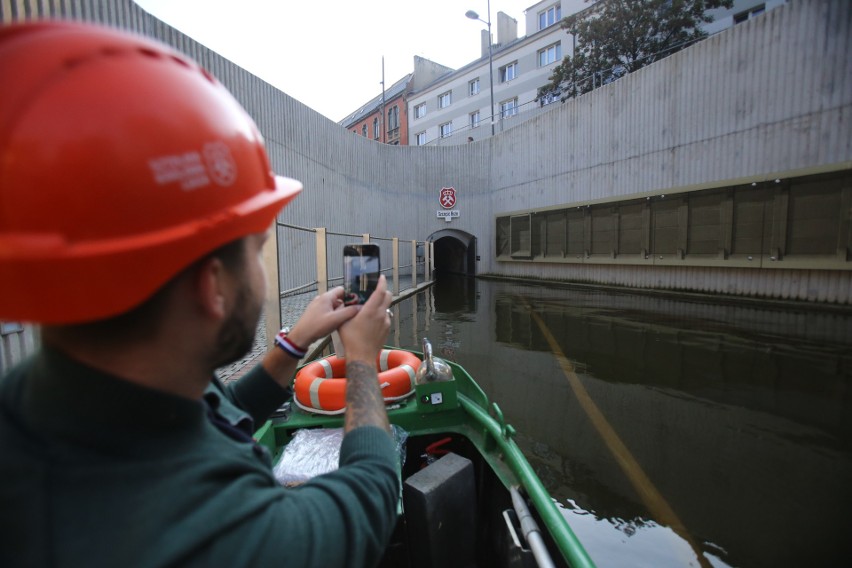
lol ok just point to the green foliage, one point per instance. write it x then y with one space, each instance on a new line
617 37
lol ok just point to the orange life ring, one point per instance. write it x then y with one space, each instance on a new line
321 386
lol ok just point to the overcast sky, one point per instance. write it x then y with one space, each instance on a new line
328 54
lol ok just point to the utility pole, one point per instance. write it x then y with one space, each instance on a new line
474 16
382 121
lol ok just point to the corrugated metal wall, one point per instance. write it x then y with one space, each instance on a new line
16 342
765 99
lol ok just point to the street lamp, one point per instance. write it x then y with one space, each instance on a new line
474 16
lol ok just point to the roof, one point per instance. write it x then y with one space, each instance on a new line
370 107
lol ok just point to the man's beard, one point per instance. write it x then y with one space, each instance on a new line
236 337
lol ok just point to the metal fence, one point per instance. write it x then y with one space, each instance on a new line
16 342
310 261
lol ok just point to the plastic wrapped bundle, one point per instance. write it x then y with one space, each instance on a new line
317 451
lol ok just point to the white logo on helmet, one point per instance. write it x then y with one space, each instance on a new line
185 169
220 163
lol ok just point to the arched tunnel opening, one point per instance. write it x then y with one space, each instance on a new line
455 264
453 256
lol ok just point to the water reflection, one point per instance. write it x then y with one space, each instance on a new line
636 542
738 415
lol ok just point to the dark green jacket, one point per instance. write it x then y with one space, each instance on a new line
96 471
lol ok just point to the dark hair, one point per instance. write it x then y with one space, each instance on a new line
142 320
232 255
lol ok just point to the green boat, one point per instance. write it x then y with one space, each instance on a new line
470 497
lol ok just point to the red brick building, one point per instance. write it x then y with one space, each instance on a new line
385 117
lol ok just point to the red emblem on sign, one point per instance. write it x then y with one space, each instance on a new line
448 197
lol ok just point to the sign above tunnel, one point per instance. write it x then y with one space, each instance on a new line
447 197
447 200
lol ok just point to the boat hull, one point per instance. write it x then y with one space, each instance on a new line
455 418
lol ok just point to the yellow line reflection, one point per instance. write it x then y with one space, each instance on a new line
651 497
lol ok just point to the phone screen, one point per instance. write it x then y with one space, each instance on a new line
361 269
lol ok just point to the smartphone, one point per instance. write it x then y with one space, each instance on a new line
361 269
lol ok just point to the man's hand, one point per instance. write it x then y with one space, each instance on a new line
323 315
363 337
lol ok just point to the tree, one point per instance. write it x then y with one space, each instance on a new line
616 37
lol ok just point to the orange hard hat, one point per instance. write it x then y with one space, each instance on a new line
121 163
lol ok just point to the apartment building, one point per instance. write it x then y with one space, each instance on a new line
437 105
741 11
385 117
457 109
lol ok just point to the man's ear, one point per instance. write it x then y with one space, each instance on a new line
212 287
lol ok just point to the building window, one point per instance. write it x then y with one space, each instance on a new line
420 110
509 108
474 119
376 128
550 97
508 72
550 16
445 99
473 87
393 118
446 129
550 54
420 139
748 14
364 130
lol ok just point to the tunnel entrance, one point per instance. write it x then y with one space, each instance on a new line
455 252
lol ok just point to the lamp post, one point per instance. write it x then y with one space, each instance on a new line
474 16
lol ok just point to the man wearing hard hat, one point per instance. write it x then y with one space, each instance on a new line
135 197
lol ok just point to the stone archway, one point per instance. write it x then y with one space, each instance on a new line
455 252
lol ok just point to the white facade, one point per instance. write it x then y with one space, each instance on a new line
741 11
458 106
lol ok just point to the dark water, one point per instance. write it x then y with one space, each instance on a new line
675 432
